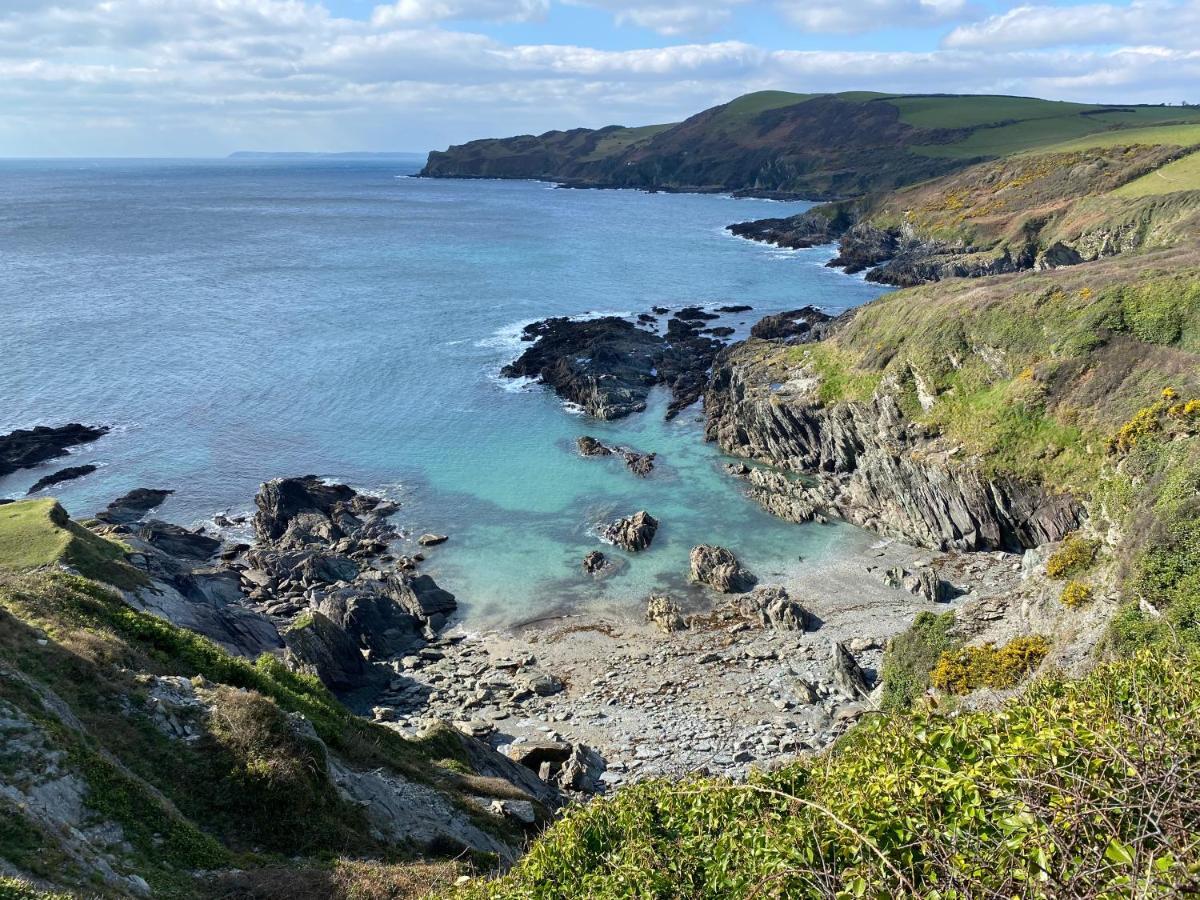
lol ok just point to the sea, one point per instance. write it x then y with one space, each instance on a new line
240 320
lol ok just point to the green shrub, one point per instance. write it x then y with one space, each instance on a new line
970 668
911 656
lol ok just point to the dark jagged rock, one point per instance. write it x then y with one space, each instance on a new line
319 646
719 569
176 541
863 247
589 446
68 474
735 308
848 679
797 325
633 533
607 365
695 314
867 463
822 225
595 562
721 331
133 506
374 620
640 464
25 448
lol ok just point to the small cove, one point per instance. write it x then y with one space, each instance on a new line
238 321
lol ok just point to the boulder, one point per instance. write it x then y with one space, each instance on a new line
633 533
432 540
848 679
926 583
541 683
771 607
719 569
664 612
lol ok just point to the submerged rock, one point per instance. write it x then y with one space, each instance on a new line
719 569
589 446
432 540
25 448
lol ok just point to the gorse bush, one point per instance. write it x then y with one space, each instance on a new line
970 668
1076 789
1075 555
1076 593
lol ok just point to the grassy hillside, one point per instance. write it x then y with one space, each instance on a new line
135 755
815 145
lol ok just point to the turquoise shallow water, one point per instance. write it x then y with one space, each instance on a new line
241 320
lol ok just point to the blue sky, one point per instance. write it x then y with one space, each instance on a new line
205 77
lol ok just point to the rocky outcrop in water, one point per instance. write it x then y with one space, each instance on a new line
868 464
609 365
719 569
795 326
25 448
822 225
68 474
640 464
633 533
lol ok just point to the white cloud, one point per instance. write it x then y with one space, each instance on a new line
673 18
1162 22
208 76
408 12
855 16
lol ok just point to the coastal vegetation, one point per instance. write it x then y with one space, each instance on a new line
1075 788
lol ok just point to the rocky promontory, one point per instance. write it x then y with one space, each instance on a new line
608 365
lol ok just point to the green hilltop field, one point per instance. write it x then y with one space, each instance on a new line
811 145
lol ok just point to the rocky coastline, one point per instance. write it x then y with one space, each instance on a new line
764 667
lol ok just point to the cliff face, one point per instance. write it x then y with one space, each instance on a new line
867 463
1035 211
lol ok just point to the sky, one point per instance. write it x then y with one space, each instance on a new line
207 77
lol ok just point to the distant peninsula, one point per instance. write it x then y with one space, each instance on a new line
293 154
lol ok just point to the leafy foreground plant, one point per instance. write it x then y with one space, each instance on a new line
1076 789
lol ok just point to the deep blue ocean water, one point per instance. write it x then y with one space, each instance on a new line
240 320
